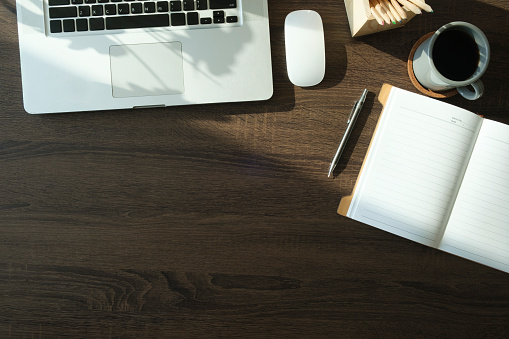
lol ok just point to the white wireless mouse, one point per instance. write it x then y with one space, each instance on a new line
305 48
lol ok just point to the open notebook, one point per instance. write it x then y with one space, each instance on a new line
438 175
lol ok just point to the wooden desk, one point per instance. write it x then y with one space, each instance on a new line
219 220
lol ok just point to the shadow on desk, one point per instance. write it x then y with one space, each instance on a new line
356 133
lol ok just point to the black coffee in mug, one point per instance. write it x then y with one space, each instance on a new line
456 55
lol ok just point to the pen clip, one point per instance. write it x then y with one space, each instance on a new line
353 110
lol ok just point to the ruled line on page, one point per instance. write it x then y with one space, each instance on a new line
435 154
420 183
426 132
405 230
445 197
476 246
485 207
434 128
474 256
481 234
493 190
422 209
469 128
404 216
408 165
388 187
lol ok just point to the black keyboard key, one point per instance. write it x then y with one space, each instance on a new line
96 24
77 2
84 10
90 1
58 2
81 25
102 1
178 19
205 21
188 5
192 18
97 10
123 9
218 17
162 6
136 8
116 0
55 26
110 9
63 12
175 6
149 7
222 4
232 19
138 21
201 4
68 25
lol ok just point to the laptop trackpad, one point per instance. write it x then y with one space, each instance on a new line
146 69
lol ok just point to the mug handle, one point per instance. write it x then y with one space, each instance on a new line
472 95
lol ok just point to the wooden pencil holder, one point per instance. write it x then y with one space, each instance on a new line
362 22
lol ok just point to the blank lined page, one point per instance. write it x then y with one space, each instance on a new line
414 167
479 226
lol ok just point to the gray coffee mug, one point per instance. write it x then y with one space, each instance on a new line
455 56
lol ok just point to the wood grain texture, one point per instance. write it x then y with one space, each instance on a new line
219 220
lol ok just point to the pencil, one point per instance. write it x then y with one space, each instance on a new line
391 8
421 4
387 11
380 10
377 15
410 6
400 10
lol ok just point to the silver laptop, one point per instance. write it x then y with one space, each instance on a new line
84 55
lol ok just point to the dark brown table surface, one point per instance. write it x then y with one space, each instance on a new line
219 220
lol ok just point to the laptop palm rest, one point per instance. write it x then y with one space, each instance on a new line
146 69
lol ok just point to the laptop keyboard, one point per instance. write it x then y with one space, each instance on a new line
68 16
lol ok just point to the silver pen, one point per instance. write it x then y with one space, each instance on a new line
357 106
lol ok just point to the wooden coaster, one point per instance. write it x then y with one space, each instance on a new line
417 84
